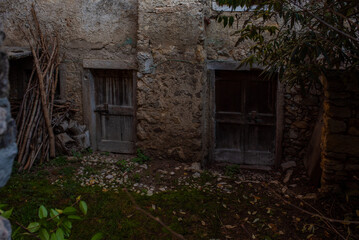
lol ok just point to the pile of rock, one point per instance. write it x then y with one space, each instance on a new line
71 137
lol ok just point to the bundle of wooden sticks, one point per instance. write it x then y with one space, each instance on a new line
36 117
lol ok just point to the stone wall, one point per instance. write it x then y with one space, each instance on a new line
91 30
8 148
171 42
340 136
302 106
171 78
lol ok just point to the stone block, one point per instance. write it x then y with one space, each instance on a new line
341 156
336 95
300 124
352 167
5 229
353 131
342 144
3 120
83 140
293 134
288 165
75 129
6 161
63 126
4 71
145 62
333 111
354 126
64 143
336 126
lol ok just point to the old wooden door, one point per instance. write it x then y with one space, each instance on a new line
244 117
114 92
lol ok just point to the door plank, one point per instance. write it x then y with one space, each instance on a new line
115 110
245 118
117 146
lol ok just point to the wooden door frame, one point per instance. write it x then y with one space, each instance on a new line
88 93
212 67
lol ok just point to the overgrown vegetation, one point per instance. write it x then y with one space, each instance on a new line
195 212
141 157
300 39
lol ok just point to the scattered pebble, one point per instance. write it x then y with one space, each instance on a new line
113 173
196 175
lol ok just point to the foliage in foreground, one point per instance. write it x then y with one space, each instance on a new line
53 224
300 39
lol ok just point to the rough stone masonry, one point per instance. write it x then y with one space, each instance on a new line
340 136
169 43
8 147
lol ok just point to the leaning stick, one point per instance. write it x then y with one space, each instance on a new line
26 138
45 107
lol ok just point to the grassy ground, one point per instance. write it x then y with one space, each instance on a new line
250 212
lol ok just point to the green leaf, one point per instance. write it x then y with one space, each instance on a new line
75 217
53 236
42 212
60 234
15 232
33 227
97 236
67 224
220 18
83 207
70 211
44 234
231 21
7 214
225 21
54 215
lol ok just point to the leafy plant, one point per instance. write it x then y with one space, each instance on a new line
141 157
123 165
105 153
136 177
88 151
77 155
51 224
4 213
299 39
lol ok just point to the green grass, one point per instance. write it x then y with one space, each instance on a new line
192 213
112 213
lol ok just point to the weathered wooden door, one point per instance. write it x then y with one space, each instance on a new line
114 92
244 117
